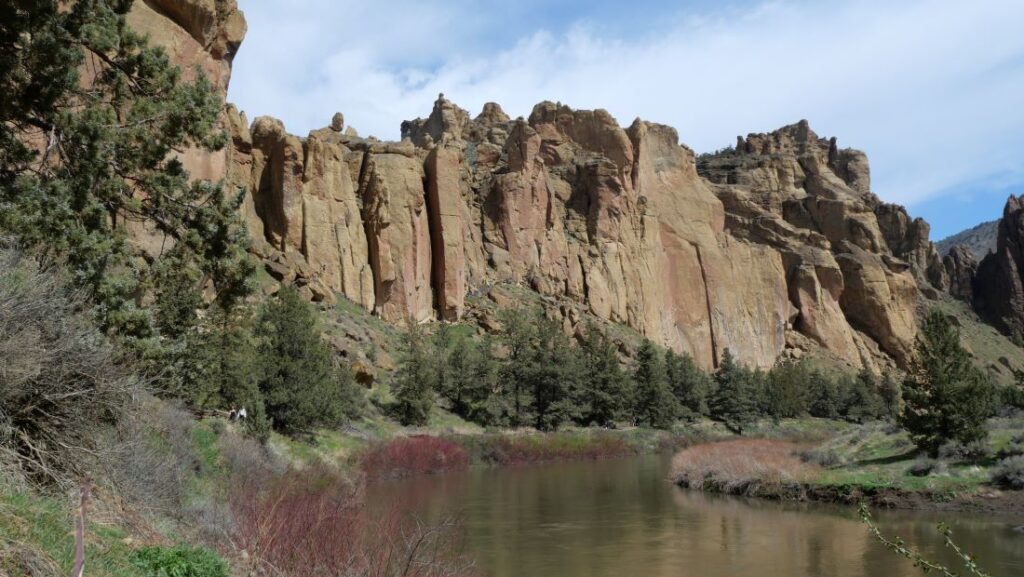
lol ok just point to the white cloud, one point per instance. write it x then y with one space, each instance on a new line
931 89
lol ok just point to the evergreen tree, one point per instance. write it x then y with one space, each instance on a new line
466 374
654 404
892 395
221 368
517 338
825 397
690 385
786 390
103 159
732 402
605 385
946 397
553 376
415 380
863 400
302 385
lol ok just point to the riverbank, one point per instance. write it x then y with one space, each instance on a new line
382 449
873 463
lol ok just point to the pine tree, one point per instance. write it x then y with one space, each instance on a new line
302 385
604 384
654 404
690 385
416 379
946 397
732 402
104 158
785 394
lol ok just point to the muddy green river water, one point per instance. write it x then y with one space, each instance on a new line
622 517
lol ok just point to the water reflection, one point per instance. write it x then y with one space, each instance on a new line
622 518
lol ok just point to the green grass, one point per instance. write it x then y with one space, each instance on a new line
42 528
878 456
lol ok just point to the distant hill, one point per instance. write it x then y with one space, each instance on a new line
980 240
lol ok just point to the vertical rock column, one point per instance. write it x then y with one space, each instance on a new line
398 236
448 217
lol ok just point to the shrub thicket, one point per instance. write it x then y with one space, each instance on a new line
60 382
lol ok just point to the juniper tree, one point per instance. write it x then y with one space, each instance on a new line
84 159
946 397
465 374
690 385
604 384
863 399
785 392
892 395
518 339
654 405
416 379
552 376
302 385
732 402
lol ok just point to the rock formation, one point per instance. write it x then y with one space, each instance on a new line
778 241
999 284
855 267
961 269
776 245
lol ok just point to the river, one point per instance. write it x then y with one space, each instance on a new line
621 517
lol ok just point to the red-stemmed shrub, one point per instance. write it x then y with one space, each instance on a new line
411 456
313 523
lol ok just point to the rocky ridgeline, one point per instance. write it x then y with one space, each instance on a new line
775 247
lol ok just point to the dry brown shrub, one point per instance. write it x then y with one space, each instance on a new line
732 466
150 456
60 381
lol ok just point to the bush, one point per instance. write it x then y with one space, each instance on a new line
312 522
926 467
822 457
956 451
1010 473
61 383
739 466
153 457
412 455
179 561
1014 448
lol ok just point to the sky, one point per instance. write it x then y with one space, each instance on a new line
932 90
